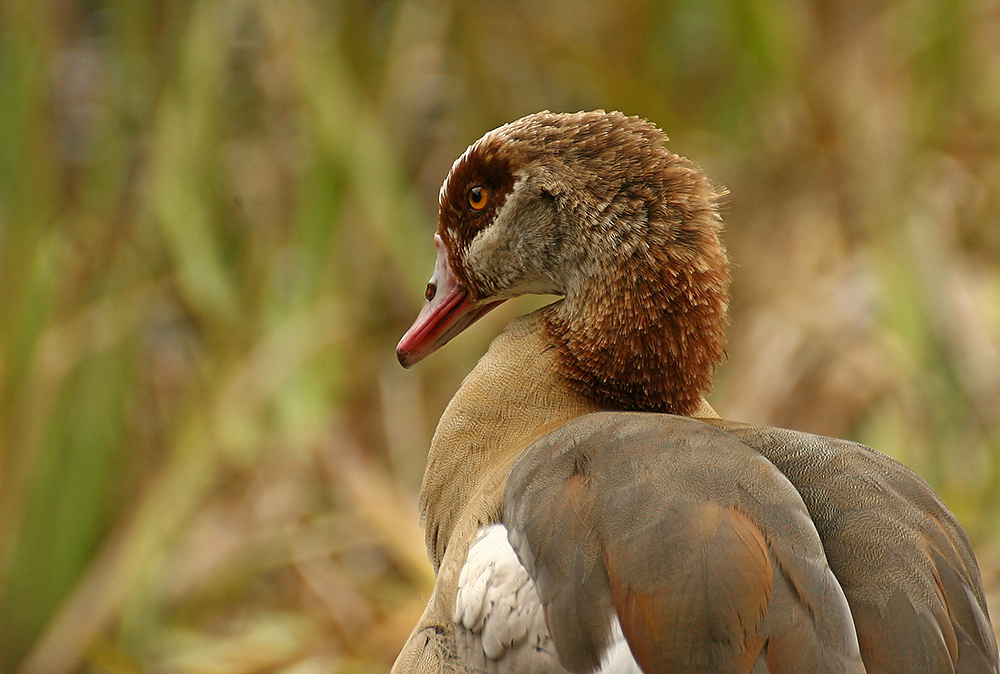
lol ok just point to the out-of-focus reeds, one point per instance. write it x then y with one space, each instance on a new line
215 222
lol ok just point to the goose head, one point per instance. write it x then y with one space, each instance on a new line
590 206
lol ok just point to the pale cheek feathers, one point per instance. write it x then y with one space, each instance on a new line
485 263
517 253
502 271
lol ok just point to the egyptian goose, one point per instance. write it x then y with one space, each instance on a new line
586 510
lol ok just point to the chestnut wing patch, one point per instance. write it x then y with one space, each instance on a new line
695 542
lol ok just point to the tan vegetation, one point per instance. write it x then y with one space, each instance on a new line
215 223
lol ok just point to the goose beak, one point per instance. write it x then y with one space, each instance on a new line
449 310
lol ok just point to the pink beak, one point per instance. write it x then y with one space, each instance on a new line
449 311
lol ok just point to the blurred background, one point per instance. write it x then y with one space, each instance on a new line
215 224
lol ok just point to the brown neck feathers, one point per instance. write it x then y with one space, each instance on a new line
644 327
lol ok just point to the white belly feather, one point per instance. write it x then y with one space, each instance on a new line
499 620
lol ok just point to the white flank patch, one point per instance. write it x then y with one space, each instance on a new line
499 620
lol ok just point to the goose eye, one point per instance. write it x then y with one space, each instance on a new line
478 198
430 292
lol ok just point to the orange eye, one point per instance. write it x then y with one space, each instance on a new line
478 198
430 292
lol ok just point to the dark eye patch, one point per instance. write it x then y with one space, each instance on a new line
476 190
